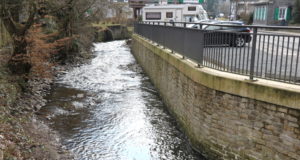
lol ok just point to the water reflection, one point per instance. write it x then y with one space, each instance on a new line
110 110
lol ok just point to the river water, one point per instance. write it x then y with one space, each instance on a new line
109 110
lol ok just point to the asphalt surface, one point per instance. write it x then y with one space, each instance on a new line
277 57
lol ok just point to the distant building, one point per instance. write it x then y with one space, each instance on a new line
137 6
236 8
119 8
223 6
246 7
273 12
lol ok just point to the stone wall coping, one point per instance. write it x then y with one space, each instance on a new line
274 92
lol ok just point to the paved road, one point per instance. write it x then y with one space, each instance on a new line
276 57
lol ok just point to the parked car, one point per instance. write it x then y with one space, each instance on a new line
204 24
229 35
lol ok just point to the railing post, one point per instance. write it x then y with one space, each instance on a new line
134 27
252 62
200 62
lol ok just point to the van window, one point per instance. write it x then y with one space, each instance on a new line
153 15
169 14
191 8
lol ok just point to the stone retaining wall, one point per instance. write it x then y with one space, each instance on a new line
221 124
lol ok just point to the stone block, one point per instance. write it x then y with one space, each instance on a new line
259 141
258 124
270 127
266 132
271 107
293 124
294 112
294 155
280 114
297 131
244 116
292 118
283 110
288 138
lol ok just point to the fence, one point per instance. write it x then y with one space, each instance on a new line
255 51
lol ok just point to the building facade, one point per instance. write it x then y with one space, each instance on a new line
246 7
273 12
235 8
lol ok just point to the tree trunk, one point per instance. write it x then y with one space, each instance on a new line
19 63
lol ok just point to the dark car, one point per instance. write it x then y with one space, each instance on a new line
232 34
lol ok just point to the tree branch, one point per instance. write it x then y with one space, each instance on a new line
7 19
30 19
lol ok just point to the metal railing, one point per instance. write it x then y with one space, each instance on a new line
268 52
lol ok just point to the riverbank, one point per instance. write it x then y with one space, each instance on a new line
22 134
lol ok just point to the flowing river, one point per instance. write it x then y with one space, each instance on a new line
109 110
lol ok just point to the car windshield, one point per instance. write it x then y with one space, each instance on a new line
231 28
213 27
236 24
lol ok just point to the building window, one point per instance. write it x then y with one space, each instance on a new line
282 13
191 8
153 15
169 14
260 13
265 13
255 14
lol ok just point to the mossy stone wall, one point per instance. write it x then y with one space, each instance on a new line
224 116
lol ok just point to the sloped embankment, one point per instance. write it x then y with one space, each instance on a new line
22 136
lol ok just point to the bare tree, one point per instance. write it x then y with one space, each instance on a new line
121 11
74 18
9 14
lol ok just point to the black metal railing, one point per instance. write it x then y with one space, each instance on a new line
268 52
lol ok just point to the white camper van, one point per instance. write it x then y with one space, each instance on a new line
174 13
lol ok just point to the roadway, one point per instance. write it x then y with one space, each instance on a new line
276 57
